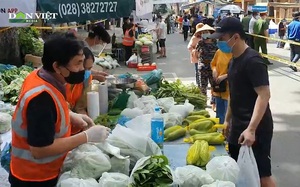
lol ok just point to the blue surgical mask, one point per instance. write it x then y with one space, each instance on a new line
224 47
205 35
87 74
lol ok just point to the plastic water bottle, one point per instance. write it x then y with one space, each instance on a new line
157 128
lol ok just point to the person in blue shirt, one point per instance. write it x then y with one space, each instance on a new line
294 35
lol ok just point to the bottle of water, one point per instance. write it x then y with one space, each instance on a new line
157 128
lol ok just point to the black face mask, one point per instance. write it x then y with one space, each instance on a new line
75 77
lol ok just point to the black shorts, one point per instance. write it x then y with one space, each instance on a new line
262 152
162 42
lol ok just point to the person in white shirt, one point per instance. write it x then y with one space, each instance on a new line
162 33
254 18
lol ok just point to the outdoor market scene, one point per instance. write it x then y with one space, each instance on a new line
149 93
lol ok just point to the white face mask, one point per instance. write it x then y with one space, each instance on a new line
257 17
205 35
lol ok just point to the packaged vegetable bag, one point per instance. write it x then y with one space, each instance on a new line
114 180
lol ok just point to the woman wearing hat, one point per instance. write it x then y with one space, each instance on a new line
193 52
206 49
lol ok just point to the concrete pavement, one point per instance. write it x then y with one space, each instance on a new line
285 105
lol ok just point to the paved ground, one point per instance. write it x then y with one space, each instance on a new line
285 105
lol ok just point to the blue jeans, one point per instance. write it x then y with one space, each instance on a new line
221 109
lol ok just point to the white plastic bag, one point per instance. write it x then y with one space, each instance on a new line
110 149
75 182
183 110
171 119
89 164
65 180
114 180
191 176
223 168
248 176
132 112
5 122
146 103
166 103
140 124
120 165
132 138
132 98
220 184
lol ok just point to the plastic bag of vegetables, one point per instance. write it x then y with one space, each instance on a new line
220 184
114 180
65 180
151 171
120 165
5 122
191 176
86 161
223 168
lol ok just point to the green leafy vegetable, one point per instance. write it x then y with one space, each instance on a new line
181 92
154 172
12 81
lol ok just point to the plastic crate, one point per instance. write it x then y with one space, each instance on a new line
132 65
146 68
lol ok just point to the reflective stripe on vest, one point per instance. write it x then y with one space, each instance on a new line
16 124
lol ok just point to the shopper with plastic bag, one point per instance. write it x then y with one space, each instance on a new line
248 117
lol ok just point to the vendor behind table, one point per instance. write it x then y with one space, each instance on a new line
41 130
77 93
97 35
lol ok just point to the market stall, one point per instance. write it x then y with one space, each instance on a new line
192 138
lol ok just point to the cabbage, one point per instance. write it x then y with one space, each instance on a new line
148 43
138 43
223 168
5 122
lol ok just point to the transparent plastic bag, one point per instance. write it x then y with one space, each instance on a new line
191 176
132 98
248 176
220 184
223 168
166 103
171 119
183 110
114 180
132 112
140 124
120 165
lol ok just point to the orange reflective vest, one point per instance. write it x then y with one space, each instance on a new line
23 165
75 91
127 40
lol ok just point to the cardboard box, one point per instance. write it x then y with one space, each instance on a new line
34 61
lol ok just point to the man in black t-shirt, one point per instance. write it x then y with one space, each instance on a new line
248 117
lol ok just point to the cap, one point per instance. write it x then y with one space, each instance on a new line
205 28
227 25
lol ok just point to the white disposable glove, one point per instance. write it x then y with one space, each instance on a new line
97 133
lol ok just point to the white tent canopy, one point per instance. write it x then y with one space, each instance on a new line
234 9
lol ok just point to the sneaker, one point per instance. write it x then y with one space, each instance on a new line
294 68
